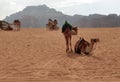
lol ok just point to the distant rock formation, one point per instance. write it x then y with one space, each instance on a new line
96 20
37 16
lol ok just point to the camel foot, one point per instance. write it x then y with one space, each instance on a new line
67 49
71 50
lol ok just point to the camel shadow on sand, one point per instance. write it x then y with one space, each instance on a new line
75 55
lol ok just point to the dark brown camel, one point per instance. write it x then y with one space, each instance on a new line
84 46
5 26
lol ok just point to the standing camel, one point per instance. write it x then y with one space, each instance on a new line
17 24
67 31
55 24
50 24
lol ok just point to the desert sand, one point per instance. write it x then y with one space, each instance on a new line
38 55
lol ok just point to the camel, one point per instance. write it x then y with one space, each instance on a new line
67 30
83 46
17 24
5 26
55 25
52 25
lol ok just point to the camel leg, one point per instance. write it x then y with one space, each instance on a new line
67 47
70 43
18 27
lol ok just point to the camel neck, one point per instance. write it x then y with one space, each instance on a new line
91 46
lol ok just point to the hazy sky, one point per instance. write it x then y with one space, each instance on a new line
70 7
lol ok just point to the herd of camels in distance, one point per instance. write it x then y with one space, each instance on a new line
81 47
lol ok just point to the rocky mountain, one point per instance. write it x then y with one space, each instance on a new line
37 16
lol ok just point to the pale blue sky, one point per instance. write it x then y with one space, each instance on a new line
69 7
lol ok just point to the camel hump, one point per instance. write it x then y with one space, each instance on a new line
79 45
66 26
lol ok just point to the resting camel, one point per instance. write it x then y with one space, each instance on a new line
5 26
84 46
68 31
17 24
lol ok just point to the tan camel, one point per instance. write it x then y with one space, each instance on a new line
52 25
84 46
55 25
17 24
67 30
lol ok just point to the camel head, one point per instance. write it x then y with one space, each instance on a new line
95 40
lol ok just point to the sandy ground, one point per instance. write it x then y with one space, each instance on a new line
38 55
